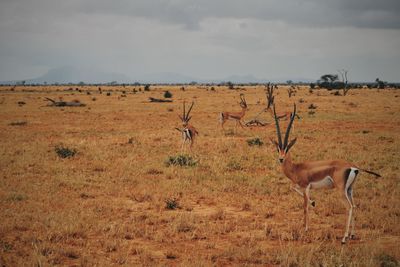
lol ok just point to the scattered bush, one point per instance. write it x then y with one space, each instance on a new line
147 87
255 142
180 160
167 94
65 152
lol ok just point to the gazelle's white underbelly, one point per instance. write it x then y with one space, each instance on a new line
327 182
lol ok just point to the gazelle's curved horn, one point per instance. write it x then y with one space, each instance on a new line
184 112
292 116
278 129
190 109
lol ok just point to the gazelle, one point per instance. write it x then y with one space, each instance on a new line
308 175
236 116
188 132
270 103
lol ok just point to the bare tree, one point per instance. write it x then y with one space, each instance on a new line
343 74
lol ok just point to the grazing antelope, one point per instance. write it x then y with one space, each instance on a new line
236 116
308 175
270 103
188 132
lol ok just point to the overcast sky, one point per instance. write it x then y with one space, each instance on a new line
208 39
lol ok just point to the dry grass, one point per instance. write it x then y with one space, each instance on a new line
106 205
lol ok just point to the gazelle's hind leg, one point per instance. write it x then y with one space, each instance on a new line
221 121
306 204
350 193
348 196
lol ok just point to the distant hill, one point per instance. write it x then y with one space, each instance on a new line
70 74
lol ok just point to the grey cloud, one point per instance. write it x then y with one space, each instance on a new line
316 13
206 39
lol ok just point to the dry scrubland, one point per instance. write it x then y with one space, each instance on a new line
107 204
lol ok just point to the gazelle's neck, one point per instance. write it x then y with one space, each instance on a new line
288 167
243 111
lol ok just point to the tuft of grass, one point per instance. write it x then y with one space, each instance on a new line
171 204
312 106
181 160
65 152
387 260
255 142
234 166
16 197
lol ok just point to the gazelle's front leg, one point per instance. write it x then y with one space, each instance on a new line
183 141
240 123
297 189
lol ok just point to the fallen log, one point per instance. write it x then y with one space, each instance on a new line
256 122
74 103
157 100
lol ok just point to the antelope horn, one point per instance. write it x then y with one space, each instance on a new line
190 109
278 129
292 116
184 112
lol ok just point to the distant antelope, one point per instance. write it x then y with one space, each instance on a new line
188 132
270 104
307 175
236 116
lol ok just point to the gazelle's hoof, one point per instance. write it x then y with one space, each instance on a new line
344 240
313 203
353 237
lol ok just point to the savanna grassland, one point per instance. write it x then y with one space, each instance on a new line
116 202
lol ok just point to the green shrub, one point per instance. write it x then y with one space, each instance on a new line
167 94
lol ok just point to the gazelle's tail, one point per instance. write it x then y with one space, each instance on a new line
221 118
370 172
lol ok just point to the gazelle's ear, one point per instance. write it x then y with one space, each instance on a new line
274 143
290 144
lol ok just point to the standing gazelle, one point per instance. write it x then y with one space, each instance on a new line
308 175
270 104
188 132
236 116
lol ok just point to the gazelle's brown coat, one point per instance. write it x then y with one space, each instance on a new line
236 116
307 175
188 132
